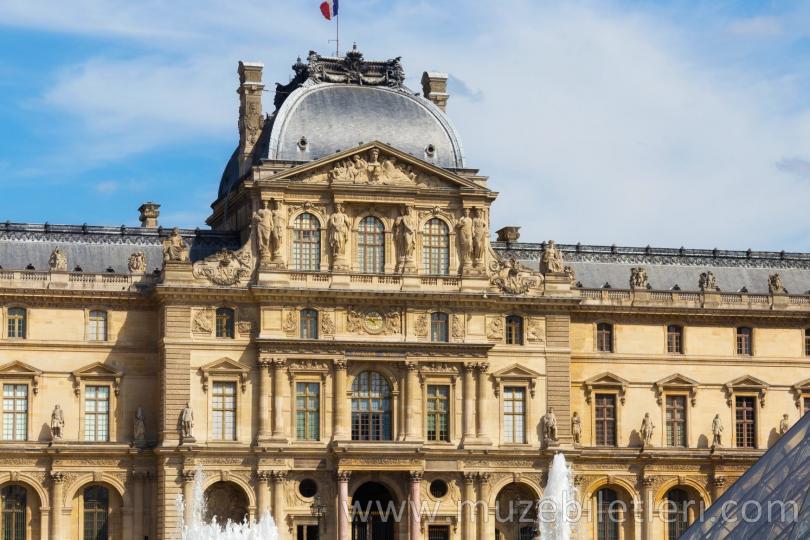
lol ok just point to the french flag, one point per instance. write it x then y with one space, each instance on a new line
329 8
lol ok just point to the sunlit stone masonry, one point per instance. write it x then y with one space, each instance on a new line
348 330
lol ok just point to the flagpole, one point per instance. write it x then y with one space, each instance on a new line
337 34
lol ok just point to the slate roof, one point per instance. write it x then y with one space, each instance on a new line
95 249
596 265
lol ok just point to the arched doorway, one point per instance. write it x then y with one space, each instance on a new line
613 509
374 513
96 511
516 512
225 501
681 506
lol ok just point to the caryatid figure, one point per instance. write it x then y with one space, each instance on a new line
338 232
405 231
479 237
465 238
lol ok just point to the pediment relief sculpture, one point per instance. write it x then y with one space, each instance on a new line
137 262
495 328
203 322
638 278
58 260
708 282
775 285
512 277
226 267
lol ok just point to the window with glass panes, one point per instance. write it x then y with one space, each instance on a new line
439 327
604 337
806 404
306 244
15 412
514 414
307 532
436 247
745 421
744 339
807 342
605 419
674 339
96 509
371 407
223 410
96 413
97 326
607 523
307 411
371 246
16 322
438 532
514 330
677 516
14 501
438 412
309 324
676 420
225 323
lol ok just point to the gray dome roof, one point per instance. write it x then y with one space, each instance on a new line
333 117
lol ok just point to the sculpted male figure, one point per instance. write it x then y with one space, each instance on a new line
187 422
175 248
576 427
647 428
784 425
57 422
550 425
138 428
717 431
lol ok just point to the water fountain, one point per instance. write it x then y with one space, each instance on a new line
558 498
197 529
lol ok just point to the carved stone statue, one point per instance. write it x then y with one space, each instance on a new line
465 238
647 428
784 425
57 423
775 285
58 260
552 258
707 281
405 235
550 426
479 226
187 423
138 427
137 263
263 218
576 428
512 277
717 431
175 248
277 235
638 278
338 226
570 273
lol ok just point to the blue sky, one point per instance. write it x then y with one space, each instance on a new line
662 123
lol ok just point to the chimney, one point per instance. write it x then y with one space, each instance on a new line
149 214
508 234
434 87
250 110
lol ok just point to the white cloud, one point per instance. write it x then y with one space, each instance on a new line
757 27
107 187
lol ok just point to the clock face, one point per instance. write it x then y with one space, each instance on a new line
373 322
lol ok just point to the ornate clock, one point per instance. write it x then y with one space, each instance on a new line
373 322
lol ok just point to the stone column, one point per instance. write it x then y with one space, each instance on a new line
469 403
718 486
481 402
341 421
188 493
279 478
138 478
412 418
263 492
265 424
415 506
343 505
57 483
278 398
648 484
468 507
486 527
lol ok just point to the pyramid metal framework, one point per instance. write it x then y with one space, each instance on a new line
752 508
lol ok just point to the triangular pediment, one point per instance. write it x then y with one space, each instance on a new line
97 369
376 165
676 379
516 371
802 386
224 365
747 381
606 379
17 368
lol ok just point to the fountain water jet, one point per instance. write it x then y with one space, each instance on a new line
555 523
198 529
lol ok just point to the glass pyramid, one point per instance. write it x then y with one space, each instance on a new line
770 501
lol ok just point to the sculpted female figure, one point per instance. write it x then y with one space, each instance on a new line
263 219
479 227
405 231
338 232
465 238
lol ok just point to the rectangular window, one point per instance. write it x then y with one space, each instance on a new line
514 415
605 419
97 413
438 412
16 323
97 326
514 330
15 412
676 421
224 411
807 342
745 421
674 339
306 532
744 340
307 411
806 404
604 337
438 532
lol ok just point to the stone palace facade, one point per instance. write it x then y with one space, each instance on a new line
349 331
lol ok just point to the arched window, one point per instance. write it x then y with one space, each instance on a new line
97 326
371 407
604 337
16 322
371 246
225 323
514 330
306 243
96 513
745 341
309 324
677 515
436 247
607 514
675 339
14 502
439 327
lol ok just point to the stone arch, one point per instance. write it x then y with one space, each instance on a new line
615 483
689 485
212 477
383 369
29 482
36 501
90 478
394 488
625 492
232 501
514 509
75 502
314 212
513 479
387 222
